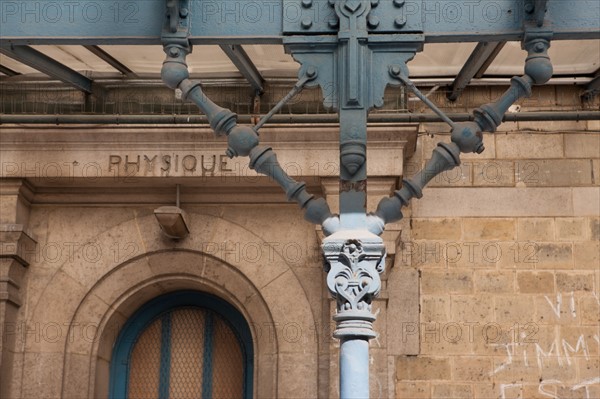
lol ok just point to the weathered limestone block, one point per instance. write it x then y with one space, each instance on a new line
535 282
529 146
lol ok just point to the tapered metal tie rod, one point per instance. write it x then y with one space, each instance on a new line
397 72
310 74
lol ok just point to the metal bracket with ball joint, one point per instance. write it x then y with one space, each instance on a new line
353 64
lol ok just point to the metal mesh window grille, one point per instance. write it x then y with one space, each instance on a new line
187 353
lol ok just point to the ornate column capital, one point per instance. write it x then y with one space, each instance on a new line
354 259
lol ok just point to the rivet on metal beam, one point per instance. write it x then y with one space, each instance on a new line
373 21
400 21
529 8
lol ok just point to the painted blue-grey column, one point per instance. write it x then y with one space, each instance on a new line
354 258
354 368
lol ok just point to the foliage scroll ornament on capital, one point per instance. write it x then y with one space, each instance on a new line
353 266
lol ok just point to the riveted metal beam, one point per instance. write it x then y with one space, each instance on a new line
244 64
37 60
244 22
110 60
7 71
481 57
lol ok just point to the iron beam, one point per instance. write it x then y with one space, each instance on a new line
110 60
244 22
7 71
593 88
244 64
489 60
482 55
47 65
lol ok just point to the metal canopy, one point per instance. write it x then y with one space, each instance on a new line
47 65
490 59
244 64
480 59
110 60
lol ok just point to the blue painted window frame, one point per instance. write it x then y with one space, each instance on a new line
160 307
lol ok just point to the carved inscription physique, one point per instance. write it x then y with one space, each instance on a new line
204 164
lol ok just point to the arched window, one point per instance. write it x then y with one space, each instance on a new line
186 344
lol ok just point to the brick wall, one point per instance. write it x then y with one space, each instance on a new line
507 248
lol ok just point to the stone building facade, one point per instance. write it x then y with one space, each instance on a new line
492 281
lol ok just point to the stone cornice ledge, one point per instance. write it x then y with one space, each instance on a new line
16 242
17 246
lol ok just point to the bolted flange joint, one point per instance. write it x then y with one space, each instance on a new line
489 116
444 157
468 137
389 210
316 211
174 69
538 65
241 140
